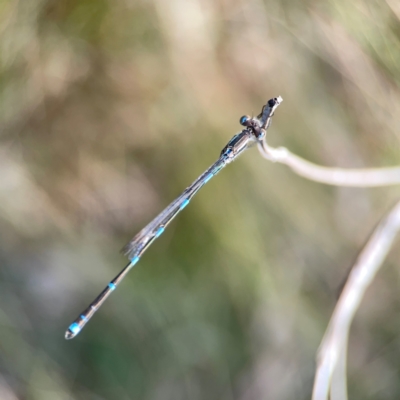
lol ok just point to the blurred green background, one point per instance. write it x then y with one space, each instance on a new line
108 110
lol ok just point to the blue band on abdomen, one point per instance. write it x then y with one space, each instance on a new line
134 260
160 230
184 204
74 328
208 177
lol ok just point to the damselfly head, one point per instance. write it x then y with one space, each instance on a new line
272 102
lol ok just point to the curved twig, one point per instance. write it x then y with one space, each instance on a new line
332 354
368 177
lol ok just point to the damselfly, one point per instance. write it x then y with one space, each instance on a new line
254 131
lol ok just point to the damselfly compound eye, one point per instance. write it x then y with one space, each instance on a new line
244 120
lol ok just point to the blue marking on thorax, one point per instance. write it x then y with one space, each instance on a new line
112 286
74 328
243 119
160 230
208 177
134 260
226 153
184 204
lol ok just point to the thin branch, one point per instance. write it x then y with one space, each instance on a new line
334 343
332 176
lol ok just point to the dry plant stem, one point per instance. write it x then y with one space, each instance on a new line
330 376
338 384
331 358
368 177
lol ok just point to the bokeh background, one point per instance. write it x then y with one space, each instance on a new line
108 110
